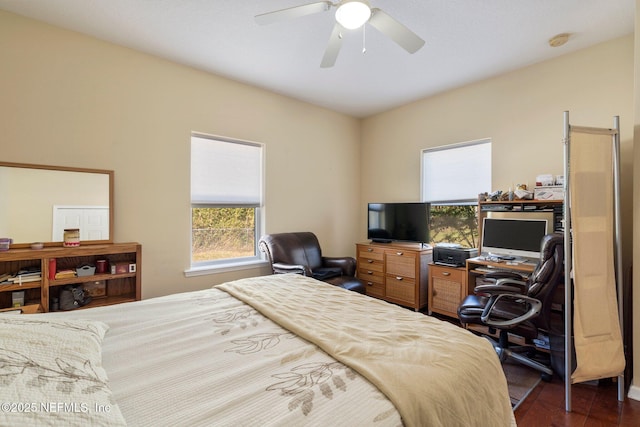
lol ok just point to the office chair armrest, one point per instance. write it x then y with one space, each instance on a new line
503 275
502 286
280 268
534 310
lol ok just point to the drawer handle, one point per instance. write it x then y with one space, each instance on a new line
398 278
369 261
370 249
399 253
446 273
369 272
369 283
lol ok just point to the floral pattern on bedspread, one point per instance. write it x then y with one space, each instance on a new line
51 373
209 359
301 381
242 318
259 342
302 385
68 375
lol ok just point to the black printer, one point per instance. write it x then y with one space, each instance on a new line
453 255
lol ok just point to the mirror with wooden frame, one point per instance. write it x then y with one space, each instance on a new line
37 202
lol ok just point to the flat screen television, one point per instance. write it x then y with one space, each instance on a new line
509 238
408 222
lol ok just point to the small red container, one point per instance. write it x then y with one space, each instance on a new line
101 266
52 268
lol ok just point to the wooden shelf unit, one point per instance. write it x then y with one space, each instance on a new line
120 288
395 272
526 206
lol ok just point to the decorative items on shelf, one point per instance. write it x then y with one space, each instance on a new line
85 270
17 298
549 187
123 267
101 266
52 268
71 237
5 243
65 274
97 288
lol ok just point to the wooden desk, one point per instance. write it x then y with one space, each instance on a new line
472 271
475 266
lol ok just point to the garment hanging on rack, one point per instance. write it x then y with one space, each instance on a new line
598 338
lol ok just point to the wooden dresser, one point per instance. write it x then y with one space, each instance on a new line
395 272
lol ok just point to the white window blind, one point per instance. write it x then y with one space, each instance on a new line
225 173
456 173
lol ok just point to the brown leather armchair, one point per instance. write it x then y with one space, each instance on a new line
300 253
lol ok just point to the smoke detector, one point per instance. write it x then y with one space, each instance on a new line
559 40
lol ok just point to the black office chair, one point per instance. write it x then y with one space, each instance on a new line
518 307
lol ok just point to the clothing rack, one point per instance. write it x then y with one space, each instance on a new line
568 245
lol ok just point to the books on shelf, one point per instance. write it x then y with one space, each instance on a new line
65 274
25 279
22 276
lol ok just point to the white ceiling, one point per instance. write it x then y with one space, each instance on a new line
466 41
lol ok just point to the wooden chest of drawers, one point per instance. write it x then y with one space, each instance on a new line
371 269
395 272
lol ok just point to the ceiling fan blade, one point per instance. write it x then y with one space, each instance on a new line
293 12
396 31
333 47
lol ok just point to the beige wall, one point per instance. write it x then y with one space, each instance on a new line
522 112
71 100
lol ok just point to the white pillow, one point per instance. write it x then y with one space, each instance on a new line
51 373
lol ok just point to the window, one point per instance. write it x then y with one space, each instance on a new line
452 178
226 200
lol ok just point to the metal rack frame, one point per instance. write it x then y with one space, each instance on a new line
568 298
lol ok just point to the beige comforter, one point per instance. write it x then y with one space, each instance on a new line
435 373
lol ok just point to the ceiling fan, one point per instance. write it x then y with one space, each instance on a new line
349 15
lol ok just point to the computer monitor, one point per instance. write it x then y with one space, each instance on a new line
511 238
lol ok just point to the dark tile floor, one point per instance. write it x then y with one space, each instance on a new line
593 404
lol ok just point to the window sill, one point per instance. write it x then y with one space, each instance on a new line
223 268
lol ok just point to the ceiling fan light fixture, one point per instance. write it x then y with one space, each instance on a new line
352 14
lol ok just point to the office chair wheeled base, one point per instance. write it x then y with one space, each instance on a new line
505 352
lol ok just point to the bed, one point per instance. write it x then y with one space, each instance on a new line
271 350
